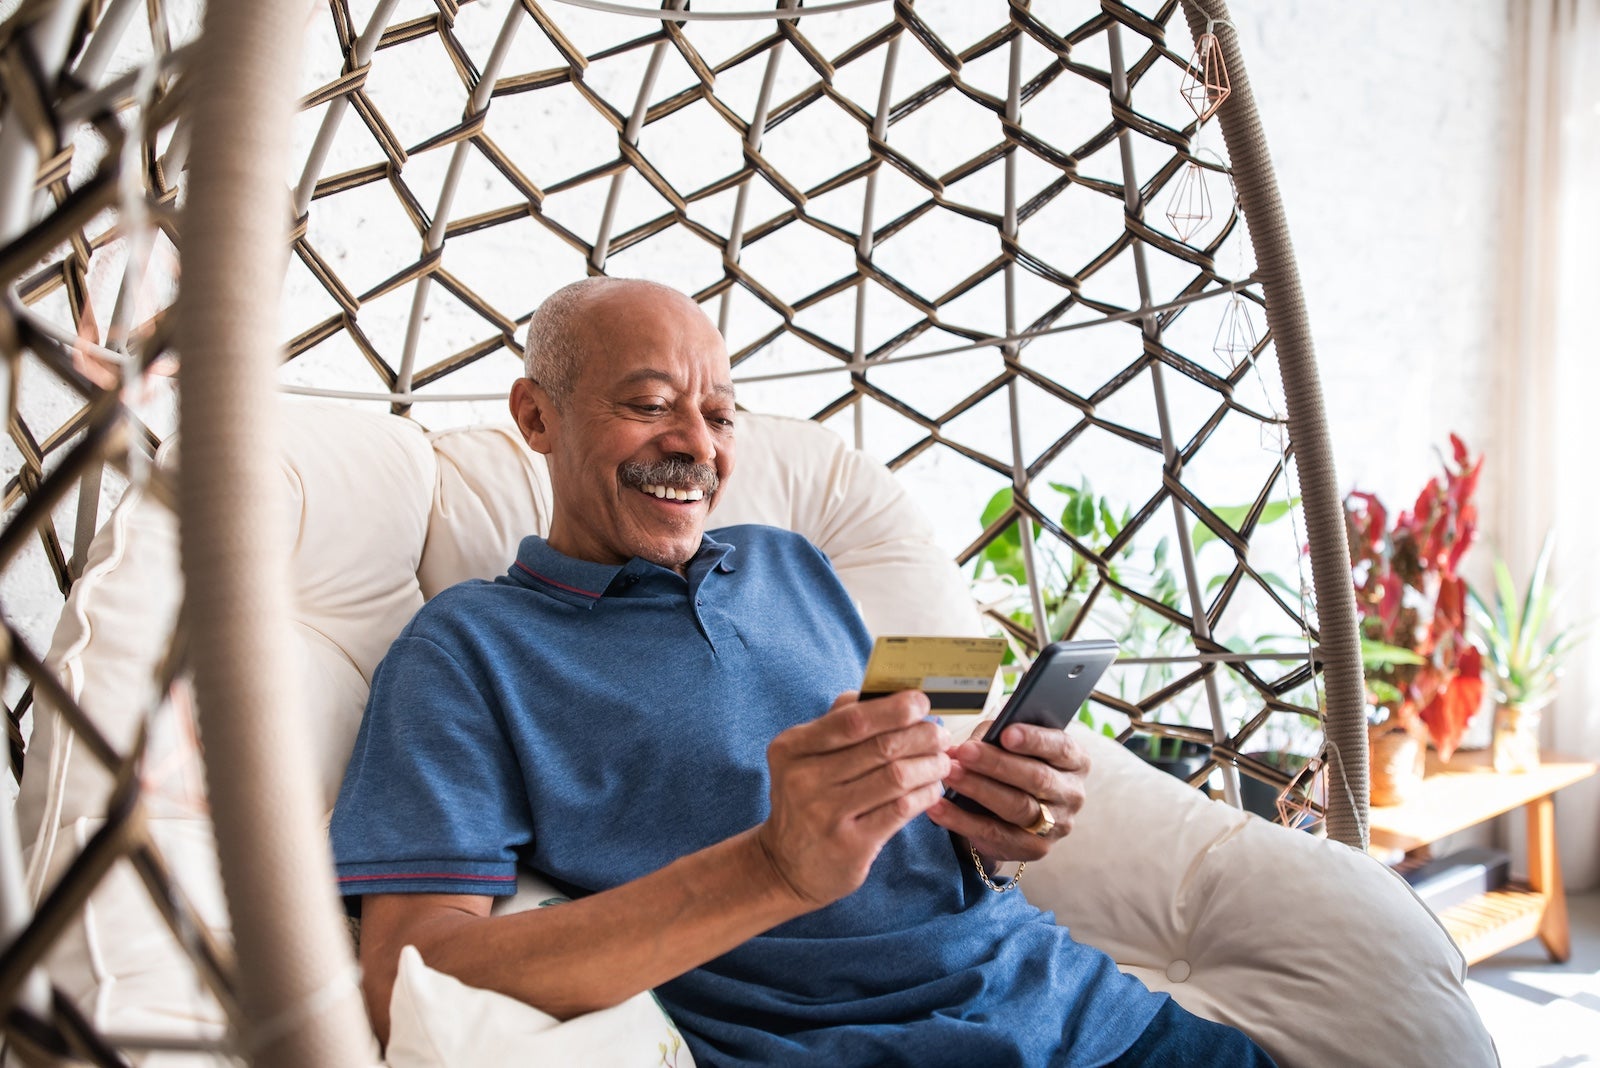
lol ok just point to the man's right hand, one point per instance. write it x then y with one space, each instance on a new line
844 784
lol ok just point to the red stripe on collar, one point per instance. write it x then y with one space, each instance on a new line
558 585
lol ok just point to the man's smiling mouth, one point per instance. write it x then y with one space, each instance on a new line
673 479
674 493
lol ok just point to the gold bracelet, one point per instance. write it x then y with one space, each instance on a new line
983 873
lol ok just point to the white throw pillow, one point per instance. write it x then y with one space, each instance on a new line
437 1021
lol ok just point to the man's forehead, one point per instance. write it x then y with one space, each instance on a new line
655 375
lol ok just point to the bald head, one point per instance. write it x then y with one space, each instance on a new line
561 332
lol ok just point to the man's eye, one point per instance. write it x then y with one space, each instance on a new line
650 409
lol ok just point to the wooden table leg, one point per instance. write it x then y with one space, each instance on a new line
1544 877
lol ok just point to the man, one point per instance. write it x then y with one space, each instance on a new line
662 721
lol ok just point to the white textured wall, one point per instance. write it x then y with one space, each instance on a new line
1385 122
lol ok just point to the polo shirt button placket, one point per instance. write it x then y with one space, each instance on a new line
700 621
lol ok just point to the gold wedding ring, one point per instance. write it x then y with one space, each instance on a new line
1046 821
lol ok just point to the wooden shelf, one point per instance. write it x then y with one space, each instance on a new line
1495 921
1464 793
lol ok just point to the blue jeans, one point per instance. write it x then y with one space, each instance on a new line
1177 1038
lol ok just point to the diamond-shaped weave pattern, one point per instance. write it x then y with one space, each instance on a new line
954 232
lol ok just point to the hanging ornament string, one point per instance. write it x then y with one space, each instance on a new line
1237 339
1205 87
1295 801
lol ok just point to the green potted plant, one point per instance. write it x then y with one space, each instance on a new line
1524 667
1424 680
1068 579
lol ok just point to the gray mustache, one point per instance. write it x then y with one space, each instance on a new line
680 473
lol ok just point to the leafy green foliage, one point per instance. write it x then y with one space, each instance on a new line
1524 667
1375 654
1086 717
1003 556
1069 576
1235 515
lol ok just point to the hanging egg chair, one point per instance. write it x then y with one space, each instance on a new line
1008 291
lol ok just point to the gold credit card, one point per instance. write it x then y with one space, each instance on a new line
955 673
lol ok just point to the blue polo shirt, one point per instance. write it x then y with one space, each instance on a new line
596 722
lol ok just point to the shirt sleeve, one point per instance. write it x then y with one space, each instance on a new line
433 799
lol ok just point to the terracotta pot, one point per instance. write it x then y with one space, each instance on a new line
1397 761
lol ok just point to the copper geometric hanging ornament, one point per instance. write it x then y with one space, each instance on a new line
1190 207
1236 334
1302 802
1205 84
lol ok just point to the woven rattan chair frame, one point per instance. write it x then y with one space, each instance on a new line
75 418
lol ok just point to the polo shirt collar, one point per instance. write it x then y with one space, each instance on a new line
584 582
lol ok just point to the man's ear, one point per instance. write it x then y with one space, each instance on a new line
534 412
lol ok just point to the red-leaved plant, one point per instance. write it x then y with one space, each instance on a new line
1422 672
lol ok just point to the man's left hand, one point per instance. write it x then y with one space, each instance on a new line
1032 767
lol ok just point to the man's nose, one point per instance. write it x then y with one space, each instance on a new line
690 435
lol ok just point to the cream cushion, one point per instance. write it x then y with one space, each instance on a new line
384 515
1303 943
441 1022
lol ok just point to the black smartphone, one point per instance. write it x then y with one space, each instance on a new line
1050 694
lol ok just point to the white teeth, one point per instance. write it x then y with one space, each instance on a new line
669 493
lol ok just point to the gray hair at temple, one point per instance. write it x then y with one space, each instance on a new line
556 340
